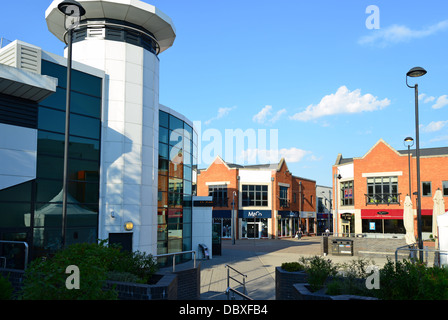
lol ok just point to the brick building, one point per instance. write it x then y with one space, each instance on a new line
270 202
378 181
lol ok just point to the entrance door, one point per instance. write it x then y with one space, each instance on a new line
122 239
252 230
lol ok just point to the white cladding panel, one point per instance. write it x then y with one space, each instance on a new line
129 174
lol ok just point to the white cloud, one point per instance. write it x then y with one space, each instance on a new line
222 112
441 102
398 33
425 98
343 101
261 116
273 156
265 113
434 126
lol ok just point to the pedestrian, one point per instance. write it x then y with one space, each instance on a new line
299 234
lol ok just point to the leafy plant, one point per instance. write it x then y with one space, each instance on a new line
293 266
5 289
46 278
319 270
409 280
351 279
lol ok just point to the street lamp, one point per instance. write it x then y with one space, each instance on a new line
417 72
233 218
72 11
409 142
337 176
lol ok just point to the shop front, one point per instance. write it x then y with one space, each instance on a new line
288 223
382 221
223 218
254 224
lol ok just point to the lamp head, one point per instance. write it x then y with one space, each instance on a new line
408 141
69 7
416 72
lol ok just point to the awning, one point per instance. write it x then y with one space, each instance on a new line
384 214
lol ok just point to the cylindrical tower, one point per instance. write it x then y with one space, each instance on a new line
124 38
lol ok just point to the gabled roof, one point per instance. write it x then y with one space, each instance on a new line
424 152
267 166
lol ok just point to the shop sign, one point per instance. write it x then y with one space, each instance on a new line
346 216
254 213
203 203
289 214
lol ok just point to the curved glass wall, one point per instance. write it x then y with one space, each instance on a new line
176 185
32 211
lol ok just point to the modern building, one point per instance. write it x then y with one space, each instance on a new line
131 159
267 200
324 208
369 191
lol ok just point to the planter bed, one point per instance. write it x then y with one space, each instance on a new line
304 293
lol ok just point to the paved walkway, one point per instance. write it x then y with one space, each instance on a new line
258 260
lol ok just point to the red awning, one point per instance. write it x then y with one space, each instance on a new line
373 214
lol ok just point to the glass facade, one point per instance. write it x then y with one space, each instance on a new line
176 181
32 211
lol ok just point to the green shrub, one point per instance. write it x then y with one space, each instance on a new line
409 280
46 279
293 266
319 270
5 289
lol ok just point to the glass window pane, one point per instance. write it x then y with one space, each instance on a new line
83 170
56 100
163 151
48 190
15 214
50 167
51 120
187 173
84 148
163 135
176 123
85 104
163 119
20 192
445 188
84 126
86 83
176 138
83 192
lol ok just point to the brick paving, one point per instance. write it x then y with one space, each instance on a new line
258 260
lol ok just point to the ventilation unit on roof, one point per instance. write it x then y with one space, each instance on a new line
21 56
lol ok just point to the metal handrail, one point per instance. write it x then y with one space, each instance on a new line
229 277
229 289
414 248
26 249
174 254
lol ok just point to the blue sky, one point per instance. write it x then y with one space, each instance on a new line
311 70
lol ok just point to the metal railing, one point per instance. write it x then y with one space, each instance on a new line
382 198
26 250
230 289
426 254
233 291
174 254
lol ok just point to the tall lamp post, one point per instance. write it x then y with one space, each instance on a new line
233 218
72 11
409 142
417 72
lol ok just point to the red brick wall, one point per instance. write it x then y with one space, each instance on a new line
218 172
